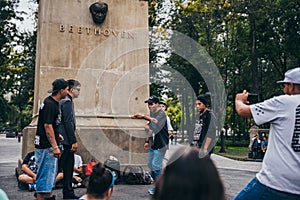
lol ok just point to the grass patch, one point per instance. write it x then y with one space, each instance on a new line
237 153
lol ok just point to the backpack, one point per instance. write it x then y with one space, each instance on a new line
136 175
114 167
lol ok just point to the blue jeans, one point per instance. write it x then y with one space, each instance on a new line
155 160
258 191
47 170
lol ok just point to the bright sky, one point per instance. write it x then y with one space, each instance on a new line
29 7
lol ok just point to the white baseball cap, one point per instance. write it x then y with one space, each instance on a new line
292 75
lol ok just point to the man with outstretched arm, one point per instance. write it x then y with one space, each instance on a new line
157 127
279 177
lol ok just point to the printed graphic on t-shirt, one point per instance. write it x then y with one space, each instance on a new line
296 135
42 106
198 126
197 131
37 140
58 119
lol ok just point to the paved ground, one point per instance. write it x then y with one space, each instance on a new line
235 175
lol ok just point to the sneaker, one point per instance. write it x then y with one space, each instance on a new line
151 191
31 187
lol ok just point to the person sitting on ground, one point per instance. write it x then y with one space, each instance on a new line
189 175
100 185
78 176
29 169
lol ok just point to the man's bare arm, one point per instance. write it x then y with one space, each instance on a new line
28 171
50 134
206 144
51 137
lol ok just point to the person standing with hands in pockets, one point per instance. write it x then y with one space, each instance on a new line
279 177
67 129
47 140
156 126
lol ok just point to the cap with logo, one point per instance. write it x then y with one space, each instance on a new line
152 99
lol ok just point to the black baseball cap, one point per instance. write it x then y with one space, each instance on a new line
58 84
152 99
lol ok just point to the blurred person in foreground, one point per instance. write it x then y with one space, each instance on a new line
47 140
189 175
67 129
279 177
3 195
100 184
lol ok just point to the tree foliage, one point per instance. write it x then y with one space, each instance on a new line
252 43
17 58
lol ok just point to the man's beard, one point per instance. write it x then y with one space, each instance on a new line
201 111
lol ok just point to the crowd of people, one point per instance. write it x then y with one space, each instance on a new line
190 172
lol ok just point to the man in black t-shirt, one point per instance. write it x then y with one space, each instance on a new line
205 126
47 140
156 126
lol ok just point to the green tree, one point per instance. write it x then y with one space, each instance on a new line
17 58
252 42
8 36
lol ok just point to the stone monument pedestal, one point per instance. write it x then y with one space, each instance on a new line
111 62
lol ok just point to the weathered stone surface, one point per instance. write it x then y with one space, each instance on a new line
111 62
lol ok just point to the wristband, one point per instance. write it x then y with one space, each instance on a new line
143 116
146 141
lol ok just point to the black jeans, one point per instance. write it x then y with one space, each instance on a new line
66 164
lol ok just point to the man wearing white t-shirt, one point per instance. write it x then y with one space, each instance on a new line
164 107
279 177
